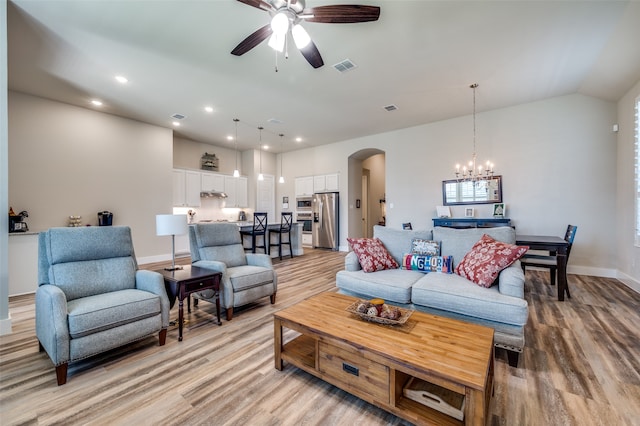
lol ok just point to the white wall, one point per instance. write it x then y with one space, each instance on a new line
5 319
557 157
628 255
65 160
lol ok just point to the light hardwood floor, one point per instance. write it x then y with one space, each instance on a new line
581 366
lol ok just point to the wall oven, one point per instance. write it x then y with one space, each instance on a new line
305 218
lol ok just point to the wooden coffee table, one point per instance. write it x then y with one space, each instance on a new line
375 362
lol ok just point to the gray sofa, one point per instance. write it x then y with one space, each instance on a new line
501 307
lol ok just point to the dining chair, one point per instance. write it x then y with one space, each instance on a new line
550 261
259 229
286 221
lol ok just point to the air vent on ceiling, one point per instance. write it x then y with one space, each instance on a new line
177 116
390 107
345 65
274 121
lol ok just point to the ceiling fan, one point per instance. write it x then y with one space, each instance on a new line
286 16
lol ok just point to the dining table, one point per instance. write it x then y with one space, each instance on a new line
556 246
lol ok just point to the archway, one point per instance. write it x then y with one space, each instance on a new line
366 189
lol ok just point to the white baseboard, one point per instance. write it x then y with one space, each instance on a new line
590 270
5 326
629 281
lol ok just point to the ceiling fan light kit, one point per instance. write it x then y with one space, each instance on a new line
286 16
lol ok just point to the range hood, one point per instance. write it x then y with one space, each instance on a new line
213 194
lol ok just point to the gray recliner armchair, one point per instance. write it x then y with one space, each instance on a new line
245 277
91 297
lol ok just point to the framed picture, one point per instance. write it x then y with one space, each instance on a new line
468 212
499 210
443 211
407 226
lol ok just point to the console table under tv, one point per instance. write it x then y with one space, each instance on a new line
469 222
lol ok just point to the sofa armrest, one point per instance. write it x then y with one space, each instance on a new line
259 259
52 327
153 282
511 281
351 262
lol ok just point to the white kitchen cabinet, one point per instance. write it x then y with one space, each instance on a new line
304 186
186 188
332 182
236 190
212 182
325 183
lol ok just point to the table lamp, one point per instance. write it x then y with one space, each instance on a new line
172 224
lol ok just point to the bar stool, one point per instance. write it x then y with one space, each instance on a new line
286 220
259 229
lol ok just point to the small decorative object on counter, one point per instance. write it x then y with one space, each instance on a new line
209 162
191 213
75 221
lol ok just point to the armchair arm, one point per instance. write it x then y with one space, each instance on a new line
511 281
259 259
153 282
351 262
52 327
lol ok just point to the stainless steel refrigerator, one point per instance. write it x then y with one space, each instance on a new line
326 220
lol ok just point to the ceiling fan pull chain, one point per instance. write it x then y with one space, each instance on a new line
276 52
286 46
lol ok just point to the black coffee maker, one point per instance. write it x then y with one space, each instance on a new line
16 221
105 218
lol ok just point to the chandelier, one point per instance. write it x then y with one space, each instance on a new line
475 171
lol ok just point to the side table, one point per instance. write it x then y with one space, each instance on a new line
182 282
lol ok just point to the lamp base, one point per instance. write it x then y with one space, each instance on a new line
173 268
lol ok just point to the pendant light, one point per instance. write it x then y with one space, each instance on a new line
475 172
236 171
281 180
260 175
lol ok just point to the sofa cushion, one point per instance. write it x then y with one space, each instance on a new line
426 247
372 254
92 314
398 241
393 285
417 262
247 276
458 242
487 258
456 294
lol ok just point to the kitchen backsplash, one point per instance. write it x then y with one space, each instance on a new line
212 209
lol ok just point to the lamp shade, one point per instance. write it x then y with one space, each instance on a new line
171 224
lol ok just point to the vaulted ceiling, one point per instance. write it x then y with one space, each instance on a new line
420 56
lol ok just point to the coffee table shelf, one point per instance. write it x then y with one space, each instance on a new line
375 363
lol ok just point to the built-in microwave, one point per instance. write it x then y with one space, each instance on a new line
304 203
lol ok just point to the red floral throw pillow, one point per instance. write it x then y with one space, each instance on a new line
372 254
486 259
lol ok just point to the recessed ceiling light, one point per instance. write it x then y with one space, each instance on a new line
121 79
175 123
208 109
265 147
96 102
229 138
298 139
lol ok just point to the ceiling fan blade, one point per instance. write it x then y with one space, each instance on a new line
253 40
312 55
257 3
342 14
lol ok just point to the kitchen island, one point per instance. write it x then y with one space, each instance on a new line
183 249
